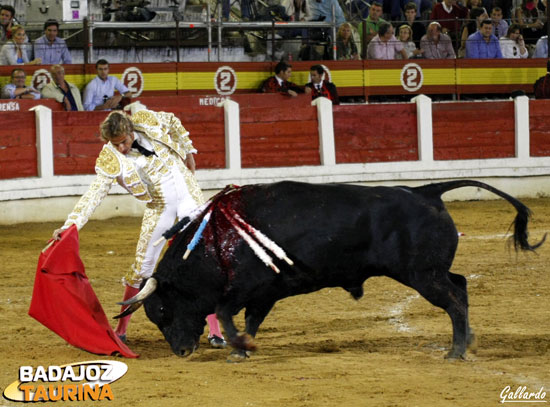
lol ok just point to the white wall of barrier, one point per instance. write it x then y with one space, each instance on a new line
49 197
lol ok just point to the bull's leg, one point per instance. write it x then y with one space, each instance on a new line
255 315
460 282
439 290
239 341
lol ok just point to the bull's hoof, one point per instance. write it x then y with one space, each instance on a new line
238 356
244 342
455 355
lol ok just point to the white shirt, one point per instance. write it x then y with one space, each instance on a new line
511 49
98 91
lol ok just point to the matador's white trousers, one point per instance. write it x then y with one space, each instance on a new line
171 201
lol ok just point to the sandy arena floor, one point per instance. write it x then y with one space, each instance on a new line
322 349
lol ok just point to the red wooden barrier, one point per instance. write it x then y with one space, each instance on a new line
18 155
539 128
473 130
206 129
277 137
76 141
375 133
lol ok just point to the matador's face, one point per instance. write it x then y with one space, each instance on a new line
123 143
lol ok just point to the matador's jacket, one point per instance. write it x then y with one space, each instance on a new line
171 144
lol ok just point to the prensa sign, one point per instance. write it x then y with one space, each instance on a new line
73 382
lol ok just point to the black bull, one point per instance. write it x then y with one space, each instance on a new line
336 235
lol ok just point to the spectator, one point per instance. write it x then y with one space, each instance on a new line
17 89
530 19
477 15
437 45
61 90
298 10
100 92
245 9
6 22
321 87
405 36
449 14
15 52
418 29
512 45
321 10
541 49
500 26
385 45
371 24
471 4
542 84
483 44
280 82
50 48
345 44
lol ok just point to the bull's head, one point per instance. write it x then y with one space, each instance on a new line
180 317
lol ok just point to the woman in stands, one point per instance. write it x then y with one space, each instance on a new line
530 20
405 36
14 52
345 44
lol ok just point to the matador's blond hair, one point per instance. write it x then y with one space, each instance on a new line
115 125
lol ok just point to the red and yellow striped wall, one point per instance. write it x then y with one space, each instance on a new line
353 78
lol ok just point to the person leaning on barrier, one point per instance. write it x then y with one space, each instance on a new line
50 48
385 45
100 91
61 90
321 87
16 51
280 82
17 88
6 22
512 45
437 45
483 44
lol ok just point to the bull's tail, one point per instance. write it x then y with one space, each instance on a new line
521 234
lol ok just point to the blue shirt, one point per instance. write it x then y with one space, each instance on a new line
52 53
324 8
98 91
477 48
541 50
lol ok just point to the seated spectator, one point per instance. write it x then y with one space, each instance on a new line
298 10
100 92
483 44
437 45
541 49
449 14
385 45
6 22
17 89
418 29
500 26
321 10
420 6
321 87
531 21
542 85
405 35
477 15
50 48
512 45
61 90
280 83
371 24
345 44
471 4
15 51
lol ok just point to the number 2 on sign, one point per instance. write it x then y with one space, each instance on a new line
225 78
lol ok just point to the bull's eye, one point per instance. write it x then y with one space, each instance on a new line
162 310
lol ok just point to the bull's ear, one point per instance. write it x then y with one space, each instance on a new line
129 310
148 289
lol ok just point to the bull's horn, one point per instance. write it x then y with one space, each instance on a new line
148 289
129 310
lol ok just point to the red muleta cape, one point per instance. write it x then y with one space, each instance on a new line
63 300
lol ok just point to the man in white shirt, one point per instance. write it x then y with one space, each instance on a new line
385 45
100 92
